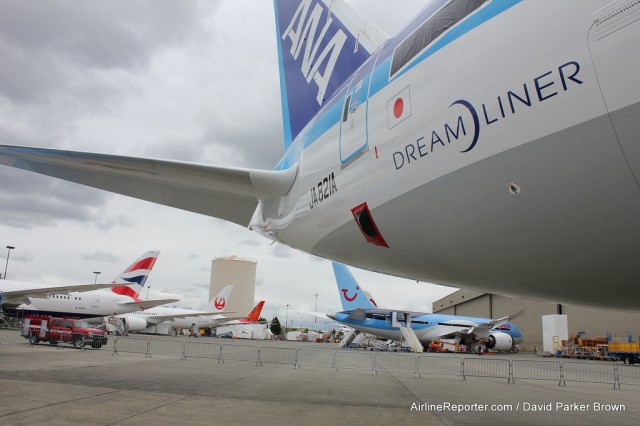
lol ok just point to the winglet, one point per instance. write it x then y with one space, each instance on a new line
489 325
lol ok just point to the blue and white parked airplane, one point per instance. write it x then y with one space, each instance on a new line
488 144
360 314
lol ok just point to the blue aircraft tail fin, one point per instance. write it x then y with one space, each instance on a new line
320 44
352 295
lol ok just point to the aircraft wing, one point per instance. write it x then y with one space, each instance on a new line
23 295
227 193
316 314
146 304
495 323
156 319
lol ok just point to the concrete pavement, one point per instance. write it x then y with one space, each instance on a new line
45 385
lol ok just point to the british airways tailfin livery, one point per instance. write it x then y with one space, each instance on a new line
360 314
488 144
133 278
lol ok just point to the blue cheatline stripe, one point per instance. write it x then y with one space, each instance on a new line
286 121
330 115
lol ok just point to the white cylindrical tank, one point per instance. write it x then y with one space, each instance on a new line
239 272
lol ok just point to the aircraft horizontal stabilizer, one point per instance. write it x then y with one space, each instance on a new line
146 304
358 314
227 193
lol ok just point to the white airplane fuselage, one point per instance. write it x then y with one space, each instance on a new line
134 322
512 165
80 305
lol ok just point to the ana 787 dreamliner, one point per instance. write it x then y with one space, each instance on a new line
488 144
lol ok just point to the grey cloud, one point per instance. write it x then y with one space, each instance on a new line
249 242
64 52
101 256
30 200
18 255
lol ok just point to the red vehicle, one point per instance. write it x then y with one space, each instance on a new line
54 330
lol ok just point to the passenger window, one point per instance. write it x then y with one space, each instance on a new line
445 18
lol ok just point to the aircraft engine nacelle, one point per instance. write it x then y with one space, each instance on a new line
500 341
135 323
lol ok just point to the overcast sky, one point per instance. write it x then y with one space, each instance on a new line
188 80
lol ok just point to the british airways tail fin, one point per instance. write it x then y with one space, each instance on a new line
220 301
352 295
134 277
320 44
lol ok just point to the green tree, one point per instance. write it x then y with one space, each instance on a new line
275 327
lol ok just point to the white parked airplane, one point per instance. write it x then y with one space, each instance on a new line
187 318
179 317
122 297
490 145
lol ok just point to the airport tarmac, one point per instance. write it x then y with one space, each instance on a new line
46 385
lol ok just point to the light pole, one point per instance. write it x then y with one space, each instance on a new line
148 287
96 273
9 248
315 327
286 319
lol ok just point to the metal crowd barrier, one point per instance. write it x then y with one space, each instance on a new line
166 347
354 361
278 356
396 363
240 353
538 370
315 358
202 350
10 335
437 364
487 367
591 372
571 371
629 374
131 345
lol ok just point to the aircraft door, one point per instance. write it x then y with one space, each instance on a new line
613 40
95 301
353 123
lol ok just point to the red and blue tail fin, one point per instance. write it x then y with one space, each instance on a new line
254 315
321 43
352 295
135 276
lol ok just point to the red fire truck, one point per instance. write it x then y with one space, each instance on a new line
38 328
